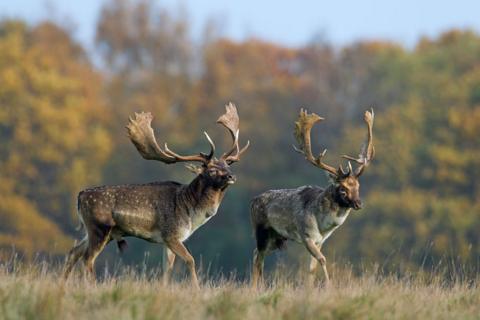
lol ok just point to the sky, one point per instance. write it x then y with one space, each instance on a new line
292 23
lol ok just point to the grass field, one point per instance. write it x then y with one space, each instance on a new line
37 292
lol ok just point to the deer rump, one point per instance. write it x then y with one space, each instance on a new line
116 207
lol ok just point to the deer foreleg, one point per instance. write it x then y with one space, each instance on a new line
312 270
179 249
317 254
170 260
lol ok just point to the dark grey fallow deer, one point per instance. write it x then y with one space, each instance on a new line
308 214
161 212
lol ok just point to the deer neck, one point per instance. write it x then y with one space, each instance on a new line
202 196
330 201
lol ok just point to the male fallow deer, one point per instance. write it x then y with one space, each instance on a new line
308 214
160 212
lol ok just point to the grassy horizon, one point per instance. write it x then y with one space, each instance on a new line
37 291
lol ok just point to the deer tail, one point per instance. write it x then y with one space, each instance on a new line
81 224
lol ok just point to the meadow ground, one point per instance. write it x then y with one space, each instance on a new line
37 292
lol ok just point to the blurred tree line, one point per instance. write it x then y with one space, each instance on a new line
62 123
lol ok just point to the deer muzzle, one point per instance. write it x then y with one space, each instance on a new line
357 204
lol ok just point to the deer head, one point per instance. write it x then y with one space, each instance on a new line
347 186
216 171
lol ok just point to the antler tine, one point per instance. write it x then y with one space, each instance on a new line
347 172
141 134
212 146
350 169
180 158
238 154
367 152
303 127
234 146
230 120
205 157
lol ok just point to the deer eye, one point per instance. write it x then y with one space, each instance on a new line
343 191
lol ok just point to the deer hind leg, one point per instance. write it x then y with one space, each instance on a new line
265 242
170 260
74 255
258 262
98 238
179 249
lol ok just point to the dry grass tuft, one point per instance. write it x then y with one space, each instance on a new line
37 292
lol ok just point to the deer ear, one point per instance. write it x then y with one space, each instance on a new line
195 169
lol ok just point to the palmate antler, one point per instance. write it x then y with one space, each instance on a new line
303 127
141 134
367 152
231 121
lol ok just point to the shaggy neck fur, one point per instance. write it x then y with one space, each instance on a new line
201 194
332 200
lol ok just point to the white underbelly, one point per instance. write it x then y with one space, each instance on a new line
136 223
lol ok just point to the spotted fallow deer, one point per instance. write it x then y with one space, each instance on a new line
160 212
308 214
